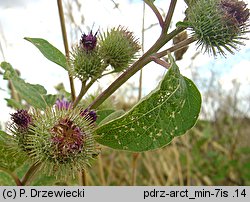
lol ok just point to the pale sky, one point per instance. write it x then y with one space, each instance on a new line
39 19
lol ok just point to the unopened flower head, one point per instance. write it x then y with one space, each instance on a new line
219 25
118 47
19 126
21 119
88 42
85 64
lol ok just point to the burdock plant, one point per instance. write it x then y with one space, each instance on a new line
118 47
62 139
62 136
219 25
85 58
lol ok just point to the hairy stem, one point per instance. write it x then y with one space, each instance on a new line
13 175
66 47
139 64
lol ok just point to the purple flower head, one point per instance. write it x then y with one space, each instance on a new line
21 118
63 104
90 114
67 137
236 11
88 42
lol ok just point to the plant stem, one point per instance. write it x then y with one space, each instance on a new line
176 47
108 73
139 64
81 94
85 87
30 173
156 12
14 93
169 16
66 47
101 171
83 91
83 178
134 165
118 82
142 48
13 175
161 62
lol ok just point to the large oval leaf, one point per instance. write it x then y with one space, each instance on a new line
169 111
49 51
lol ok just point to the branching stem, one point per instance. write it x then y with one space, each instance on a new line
169 16
156 12
176 47
81 94
161 62
139 64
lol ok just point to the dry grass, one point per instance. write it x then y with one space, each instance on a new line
197 158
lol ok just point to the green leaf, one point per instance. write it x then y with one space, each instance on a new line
14 104
49 51
5 179
8 160
112 116
181 24
61 92
102 114
169 111
34 94
50 99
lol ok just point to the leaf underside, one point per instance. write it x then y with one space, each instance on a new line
169 111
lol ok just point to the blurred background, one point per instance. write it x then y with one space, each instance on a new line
215 152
